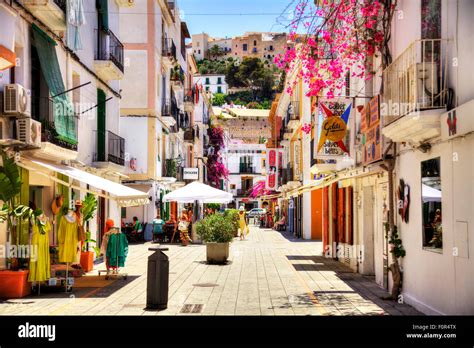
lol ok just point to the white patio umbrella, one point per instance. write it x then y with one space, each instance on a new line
430 194
197 191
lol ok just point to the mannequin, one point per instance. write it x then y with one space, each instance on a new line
40 264
68 238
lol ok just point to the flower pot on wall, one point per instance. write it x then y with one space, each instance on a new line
87 261
217 253
14 284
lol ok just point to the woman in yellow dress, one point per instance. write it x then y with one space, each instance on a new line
244 229
40 263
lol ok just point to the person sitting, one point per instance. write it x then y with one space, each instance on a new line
280 225
137 230
157 228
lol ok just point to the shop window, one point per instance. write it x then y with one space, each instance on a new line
431 204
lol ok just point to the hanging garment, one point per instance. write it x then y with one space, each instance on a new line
40 266
76 19
67 239
117 250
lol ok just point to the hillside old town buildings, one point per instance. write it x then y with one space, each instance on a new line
106 98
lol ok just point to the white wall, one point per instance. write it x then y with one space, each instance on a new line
214 84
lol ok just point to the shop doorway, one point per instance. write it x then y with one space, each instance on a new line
317 214
368 231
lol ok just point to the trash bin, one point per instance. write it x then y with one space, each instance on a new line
157 279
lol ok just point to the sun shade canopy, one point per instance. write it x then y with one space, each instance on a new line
197 191
125 196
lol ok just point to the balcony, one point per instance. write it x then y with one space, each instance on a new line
184 121
54 148
415 92
167 115
173 170
293 114
247 168
189 99
108 58
168 51
50 12
177 77
189 135
110 150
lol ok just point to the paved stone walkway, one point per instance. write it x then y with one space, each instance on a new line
268 274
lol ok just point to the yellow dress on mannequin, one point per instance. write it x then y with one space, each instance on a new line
67 238
40 266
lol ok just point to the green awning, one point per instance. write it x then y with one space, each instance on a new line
103 10
64 119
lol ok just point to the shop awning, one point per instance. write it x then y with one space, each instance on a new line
430 194
197 191
123 195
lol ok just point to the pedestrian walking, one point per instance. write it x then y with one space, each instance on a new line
183 228
244 229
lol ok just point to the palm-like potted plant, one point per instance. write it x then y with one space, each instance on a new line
217 232
13 282
88 210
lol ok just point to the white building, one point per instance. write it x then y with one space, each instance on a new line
246 165
214 83
51 70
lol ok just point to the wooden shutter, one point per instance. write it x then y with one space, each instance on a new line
350 231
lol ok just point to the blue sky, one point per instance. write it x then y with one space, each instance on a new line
220 18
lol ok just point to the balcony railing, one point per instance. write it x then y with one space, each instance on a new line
417 79
109 48
168 49
173 170
189 96
49 135
184 121
166 108
114 148
247 168
189 134
293 111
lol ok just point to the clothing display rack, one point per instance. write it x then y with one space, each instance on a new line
115 273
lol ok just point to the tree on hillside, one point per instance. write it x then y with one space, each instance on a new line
218 99
231 78
215 52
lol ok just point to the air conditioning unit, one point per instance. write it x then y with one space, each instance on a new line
16 101
29 132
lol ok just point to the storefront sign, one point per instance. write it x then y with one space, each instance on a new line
272 169
297 158
333 125
371 133
191 173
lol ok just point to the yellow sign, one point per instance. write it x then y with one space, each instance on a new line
334 128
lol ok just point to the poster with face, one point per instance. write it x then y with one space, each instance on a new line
271 181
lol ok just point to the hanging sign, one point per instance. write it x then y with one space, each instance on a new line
297 159
272 169
191 173
333 120
370 130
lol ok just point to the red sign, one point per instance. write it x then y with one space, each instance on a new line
272 169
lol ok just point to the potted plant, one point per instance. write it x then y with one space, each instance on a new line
233 216
89 207
14 281
217 232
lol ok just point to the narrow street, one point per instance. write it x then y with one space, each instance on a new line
268 274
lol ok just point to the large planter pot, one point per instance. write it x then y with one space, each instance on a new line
217 252
14 284
87 261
